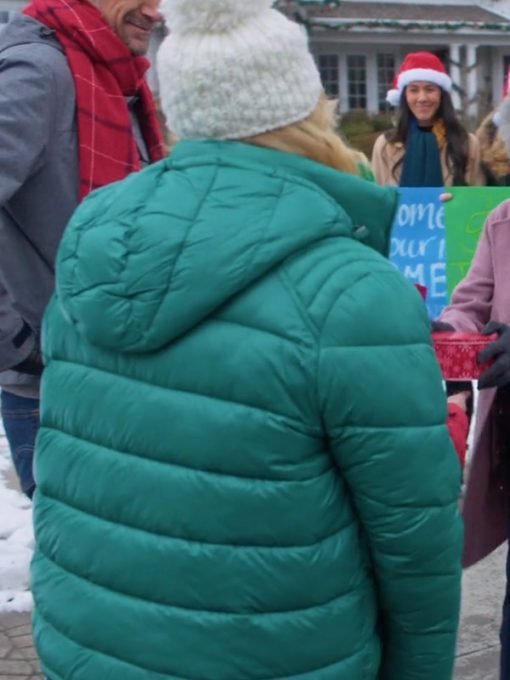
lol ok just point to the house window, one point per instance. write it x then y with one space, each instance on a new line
328 68
4 17
357 81
385 73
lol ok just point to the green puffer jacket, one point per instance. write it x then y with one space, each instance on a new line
243 470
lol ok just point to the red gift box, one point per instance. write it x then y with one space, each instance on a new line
456 353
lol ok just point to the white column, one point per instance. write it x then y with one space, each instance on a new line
343 93
372 98
472 80
497 54
455 75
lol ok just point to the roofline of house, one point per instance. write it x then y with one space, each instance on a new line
330 3
406 24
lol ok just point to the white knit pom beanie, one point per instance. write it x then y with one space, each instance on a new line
231 69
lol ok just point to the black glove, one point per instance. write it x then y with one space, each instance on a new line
498 374
440 326
32 365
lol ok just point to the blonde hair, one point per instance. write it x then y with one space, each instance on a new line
315 138
493 152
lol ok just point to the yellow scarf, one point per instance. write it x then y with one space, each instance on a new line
439 131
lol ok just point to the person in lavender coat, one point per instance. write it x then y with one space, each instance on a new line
481 303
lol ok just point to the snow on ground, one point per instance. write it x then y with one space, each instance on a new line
16 539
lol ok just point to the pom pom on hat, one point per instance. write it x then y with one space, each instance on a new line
205 16
231 69
419 66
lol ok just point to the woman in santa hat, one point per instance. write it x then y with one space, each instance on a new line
429 146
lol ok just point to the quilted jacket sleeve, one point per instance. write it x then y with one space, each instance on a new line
384 410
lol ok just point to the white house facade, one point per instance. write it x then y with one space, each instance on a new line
6 8
359 45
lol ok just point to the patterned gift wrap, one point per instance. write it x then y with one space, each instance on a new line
456 353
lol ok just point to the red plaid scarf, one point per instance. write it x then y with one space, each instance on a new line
104 73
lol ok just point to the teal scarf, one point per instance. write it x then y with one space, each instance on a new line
422 163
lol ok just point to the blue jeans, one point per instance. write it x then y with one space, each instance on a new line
20 417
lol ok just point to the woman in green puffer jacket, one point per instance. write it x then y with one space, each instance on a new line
243 471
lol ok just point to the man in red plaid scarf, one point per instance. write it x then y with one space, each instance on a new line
75 114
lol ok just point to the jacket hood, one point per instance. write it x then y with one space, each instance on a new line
26 30
145 260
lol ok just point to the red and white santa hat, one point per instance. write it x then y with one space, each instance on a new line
419 66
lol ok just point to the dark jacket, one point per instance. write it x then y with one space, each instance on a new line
39 177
